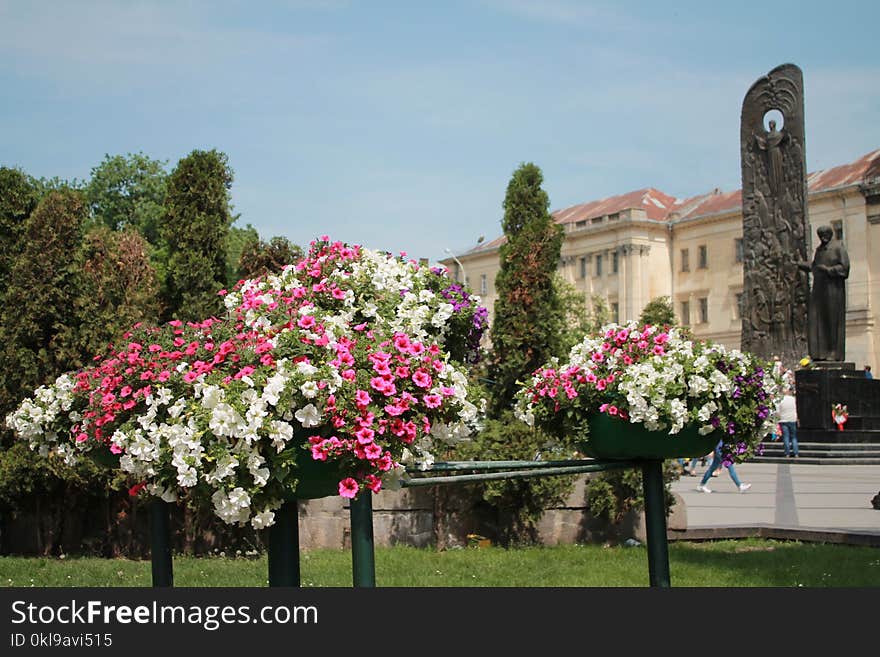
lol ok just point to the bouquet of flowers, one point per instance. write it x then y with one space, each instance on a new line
350 357
659 378
839 413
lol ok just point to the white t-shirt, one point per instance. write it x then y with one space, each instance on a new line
787 410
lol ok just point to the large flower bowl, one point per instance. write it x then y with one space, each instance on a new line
315 478
615 439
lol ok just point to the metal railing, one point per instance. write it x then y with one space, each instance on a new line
284 549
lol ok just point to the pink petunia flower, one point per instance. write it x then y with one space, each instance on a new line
349 488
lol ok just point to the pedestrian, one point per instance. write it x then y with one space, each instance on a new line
713 466
689 467
868 374
788 421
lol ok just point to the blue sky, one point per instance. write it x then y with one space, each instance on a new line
397 125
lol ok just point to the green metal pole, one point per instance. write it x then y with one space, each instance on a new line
363 563
284 546
160 543
655 523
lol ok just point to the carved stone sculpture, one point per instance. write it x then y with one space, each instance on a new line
775 222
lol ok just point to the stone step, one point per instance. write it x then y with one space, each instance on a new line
777 445
813 460
819 453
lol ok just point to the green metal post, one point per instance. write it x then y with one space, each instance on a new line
160 543
363 563
655 523
284 546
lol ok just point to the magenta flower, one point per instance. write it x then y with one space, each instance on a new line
349 488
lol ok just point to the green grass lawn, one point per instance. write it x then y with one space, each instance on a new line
739 563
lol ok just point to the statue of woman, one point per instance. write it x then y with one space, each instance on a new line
826 335
772 142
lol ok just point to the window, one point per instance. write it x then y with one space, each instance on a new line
583 266
685 260
614 262
685 313
615 313
484 285
704 310
738 249
739 305
598 265
837 227
703 259
467 280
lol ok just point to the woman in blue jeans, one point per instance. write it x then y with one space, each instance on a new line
714 465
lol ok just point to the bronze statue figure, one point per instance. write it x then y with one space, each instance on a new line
827 309
771 142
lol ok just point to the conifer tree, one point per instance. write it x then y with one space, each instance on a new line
195 226
18 198
527 327
39 300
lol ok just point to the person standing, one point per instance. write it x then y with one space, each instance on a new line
868 374
787 413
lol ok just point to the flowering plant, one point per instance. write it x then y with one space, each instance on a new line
840 414
349 357
659 378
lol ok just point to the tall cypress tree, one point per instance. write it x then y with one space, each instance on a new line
195 226
39 300
526 329
18 198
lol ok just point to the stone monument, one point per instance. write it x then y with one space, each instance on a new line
775 222
783 315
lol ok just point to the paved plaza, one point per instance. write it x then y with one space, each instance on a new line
786 498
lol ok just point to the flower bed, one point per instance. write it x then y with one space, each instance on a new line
350 357
659 379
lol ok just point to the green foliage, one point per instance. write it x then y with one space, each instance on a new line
658 312
579 317
18 198
575 322
238 239
513 507
599 314
39 301
128 191
116 288
528 313
25 474
612 494
195 225
259 257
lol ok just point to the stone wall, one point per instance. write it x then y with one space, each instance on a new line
408 516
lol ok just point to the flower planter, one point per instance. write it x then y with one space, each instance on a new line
315 478
612 438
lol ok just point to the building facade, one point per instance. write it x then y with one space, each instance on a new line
635 247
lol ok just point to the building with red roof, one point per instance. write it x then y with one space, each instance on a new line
631 248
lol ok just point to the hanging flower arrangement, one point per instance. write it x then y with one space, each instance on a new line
659 380
351 358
